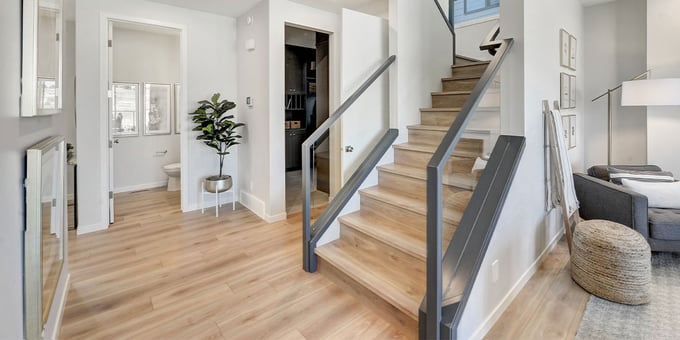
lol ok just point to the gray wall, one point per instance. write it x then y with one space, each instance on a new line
615 51
16 134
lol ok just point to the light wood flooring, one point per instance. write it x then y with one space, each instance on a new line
550 306
161 274
294 194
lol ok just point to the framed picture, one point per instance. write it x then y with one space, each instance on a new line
566 128
564 90
572 52
177 87
564 48
572 131
157 104
124 116
572 91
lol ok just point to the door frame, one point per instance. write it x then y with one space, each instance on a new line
105 62
333 103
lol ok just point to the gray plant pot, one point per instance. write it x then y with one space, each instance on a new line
217 184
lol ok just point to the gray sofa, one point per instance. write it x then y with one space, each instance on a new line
601 199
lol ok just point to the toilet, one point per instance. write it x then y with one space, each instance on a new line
173 171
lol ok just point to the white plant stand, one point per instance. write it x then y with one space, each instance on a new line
218 205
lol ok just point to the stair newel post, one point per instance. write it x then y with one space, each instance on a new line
308 261
434 252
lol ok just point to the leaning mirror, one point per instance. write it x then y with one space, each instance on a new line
44 248
41 57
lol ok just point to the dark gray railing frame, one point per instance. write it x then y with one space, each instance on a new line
449 23
433 298
312 234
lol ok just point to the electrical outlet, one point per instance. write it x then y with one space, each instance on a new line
494 271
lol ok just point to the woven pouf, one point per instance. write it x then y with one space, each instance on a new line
611 261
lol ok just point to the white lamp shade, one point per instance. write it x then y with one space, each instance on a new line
650 92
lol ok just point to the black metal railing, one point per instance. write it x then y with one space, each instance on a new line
312 233
449 23
460 264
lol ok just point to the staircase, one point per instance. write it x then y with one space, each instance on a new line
380 255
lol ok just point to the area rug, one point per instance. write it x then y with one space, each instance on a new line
660 319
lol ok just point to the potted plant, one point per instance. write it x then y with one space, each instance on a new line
218 131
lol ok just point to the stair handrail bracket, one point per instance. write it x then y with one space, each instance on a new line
312 233
437 321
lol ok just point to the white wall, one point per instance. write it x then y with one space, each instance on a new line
17 134
614 52
422 42
663 58
208 46
141 56
525 230
253 77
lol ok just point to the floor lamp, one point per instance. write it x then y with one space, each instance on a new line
608 93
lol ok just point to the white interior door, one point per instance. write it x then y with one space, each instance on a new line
110 114
364 49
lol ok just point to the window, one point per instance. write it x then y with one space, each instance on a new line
125 109
472 6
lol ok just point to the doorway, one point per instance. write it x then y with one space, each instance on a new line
144 110
307 105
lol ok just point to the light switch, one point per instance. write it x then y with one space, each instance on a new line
250 44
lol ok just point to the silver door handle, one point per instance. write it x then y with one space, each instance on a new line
349 148
116 141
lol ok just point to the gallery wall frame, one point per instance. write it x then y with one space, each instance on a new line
157 105
125 113
567 91
568 48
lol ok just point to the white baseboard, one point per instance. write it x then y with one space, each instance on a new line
84 229
488 323
276 217
138 187
253 203
62 305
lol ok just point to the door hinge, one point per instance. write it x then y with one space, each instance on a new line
57 36
110 195
54 203
110 144
110 43
109 94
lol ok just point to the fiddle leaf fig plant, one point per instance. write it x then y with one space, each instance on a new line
217 129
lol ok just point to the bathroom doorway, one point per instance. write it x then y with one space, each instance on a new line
307 107
144 97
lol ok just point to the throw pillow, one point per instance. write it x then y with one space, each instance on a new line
615 175
659 195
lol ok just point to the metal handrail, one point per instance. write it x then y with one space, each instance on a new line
449 24
433 297
311 234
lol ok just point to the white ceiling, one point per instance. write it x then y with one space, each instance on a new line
235 8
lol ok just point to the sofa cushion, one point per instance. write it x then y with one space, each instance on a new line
664 224
616 175
659 194
601 171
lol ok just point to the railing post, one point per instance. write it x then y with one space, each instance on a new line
306 209
434 252
452 13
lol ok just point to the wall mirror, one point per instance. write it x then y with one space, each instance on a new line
44 248
41 57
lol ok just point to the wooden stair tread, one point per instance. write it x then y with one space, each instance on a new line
460 77
449 93
432 148
439 109
477 63
415 205
403 290
446 128
466 58
464 181
406 239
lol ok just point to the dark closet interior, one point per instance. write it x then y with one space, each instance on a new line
306 98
